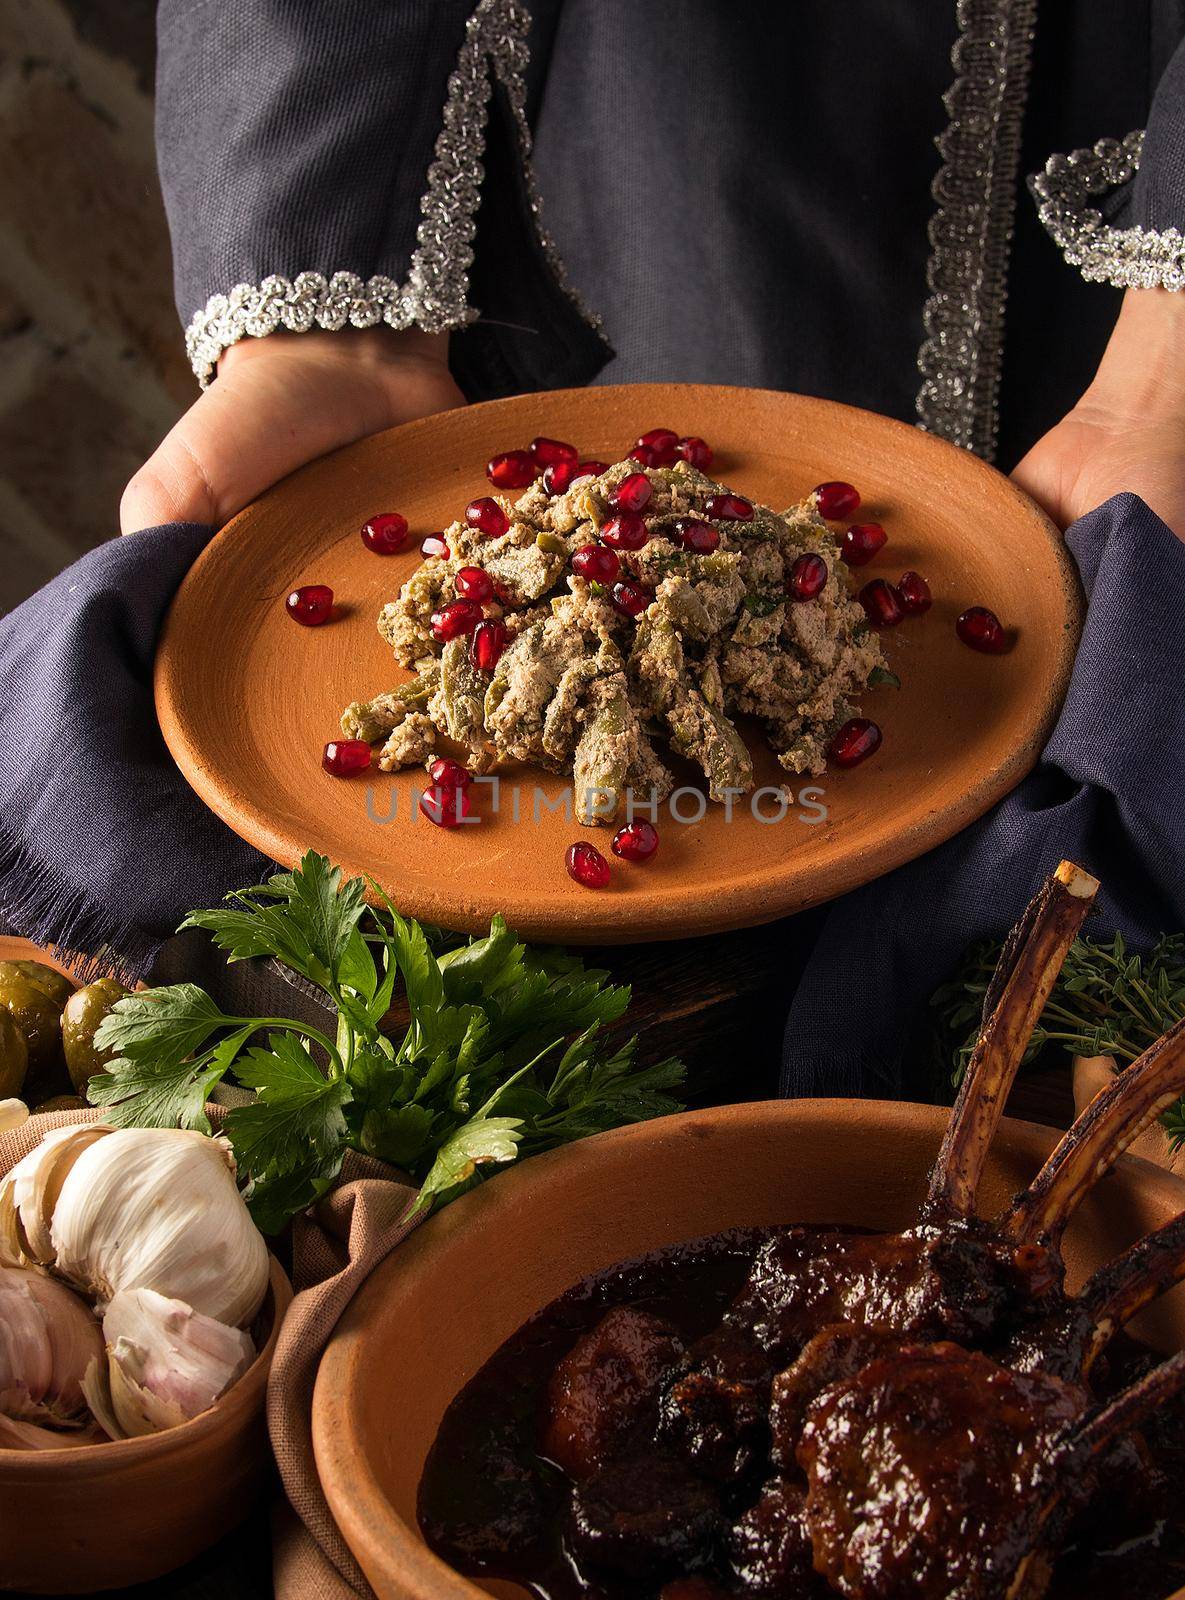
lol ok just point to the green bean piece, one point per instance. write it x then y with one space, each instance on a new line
602 758
462 693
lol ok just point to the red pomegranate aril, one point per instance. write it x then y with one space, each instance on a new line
513 469
434 545
591 469
449 774
559 477
915 593
807 578
637 841
982 630
660 439
457 618
487 516
344 757
596 563
626 531
729 508
701 538
630 598
696 452
882 604
836 500
549 452
474 584
861 542
310 606
487 646
445 806
855 742
385 534
632 493
646 457
587 865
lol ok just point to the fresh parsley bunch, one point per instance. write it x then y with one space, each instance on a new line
503 1055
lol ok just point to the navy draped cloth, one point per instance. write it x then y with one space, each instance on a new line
103 846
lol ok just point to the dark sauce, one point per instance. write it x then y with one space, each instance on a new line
493 1506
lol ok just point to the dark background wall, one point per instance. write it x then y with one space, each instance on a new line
92 364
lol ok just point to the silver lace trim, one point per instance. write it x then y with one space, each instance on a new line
1130 258
434 296
971 232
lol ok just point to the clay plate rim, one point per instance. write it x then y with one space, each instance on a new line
761 892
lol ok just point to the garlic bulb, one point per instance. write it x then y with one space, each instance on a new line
48 1338
13 1114
157 1208
29 1192
166 1363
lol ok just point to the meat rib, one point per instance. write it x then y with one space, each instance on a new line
1025 975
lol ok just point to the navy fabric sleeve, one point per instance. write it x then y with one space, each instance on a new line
295 136
1158 193
1108 793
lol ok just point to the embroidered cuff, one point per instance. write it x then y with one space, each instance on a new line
1130 258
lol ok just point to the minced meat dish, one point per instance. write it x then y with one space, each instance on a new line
685 617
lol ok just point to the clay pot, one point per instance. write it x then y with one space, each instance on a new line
442 1303
104 1516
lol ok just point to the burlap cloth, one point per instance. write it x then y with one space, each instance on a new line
334 1249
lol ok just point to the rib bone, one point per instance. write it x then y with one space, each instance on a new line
1025 974
1131 1102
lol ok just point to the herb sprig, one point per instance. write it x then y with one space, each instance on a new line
502 1057
1106 1001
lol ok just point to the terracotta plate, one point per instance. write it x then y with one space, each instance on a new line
247 698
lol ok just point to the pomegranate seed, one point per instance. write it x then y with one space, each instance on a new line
344 757
385 534
835 501
474 584
637 841
458 617
596 564
591 469
915 593
630 598
645 456
882 604
559 477
549 452
632 493
861 542
663 440
587 865
696 452
449 774
487 516
699 537
489 641
982 630
434 545
807 577
514 469
626 531
855 742
729 508
446 807
310 606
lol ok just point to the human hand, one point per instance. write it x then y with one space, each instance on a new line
1128 430
278 403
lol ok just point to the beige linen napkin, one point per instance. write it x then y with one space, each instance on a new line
1092 1073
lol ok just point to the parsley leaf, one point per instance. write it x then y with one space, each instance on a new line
297 1109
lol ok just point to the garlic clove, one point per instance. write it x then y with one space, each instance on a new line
137 1410
13 1114
30 1192
48 1337
177 1356
158 1208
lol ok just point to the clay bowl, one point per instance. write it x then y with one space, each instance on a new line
443 1302
105 1516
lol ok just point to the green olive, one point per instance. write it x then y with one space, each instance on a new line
14 1058
83 1013
35 1014
56 984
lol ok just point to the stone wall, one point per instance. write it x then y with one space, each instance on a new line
92 368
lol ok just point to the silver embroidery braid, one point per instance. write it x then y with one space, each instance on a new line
971 231
434 297
1130 258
